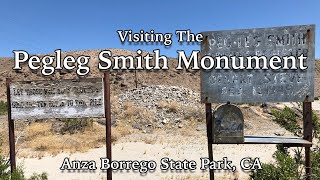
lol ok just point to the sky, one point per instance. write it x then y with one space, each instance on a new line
40 27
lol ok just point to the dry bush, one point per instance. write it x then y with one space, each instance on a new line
3 108
39 137
76 125
187 131
149 139
136 116
130 109
4 140
119 131
38 129
194 113
170 106
145 117
203 176
115 106
187 177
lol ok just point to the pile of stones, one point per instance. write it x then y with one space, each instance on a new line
150 98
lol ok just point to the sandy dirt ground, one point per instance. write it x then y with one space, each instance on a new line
142 151
316 105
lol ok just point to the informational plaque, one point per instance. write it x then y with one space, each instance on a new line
260 85
57 99
228 125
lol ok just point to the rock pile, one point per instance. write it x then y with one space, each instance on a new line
170 105
150 95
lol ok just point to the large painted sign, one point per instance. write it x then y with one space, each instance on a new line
259 85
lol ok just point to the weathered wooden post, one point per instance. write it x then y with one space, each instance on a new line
108 120
209 135
13 165
307 135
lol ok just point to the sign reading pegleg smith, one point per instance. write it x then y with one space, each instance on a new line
279 67
57 99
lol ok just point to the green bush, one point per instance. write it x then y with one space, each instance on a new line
5 173
285 167
287 118
75 125
315 124
315 164
3 108
43 176
18 174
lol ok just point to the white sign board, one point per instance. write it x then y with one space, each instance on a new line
57 99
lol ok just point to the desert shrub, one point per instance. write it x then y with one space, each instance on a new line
3 108
76 125
315 124
43 176
316 98
285 167
287 118
38 129
18 174
138 117
4 167
191 113
315 164
130 109
169 106
119 131
5 172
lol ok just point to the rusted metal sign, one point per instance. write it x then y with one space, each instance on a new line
228 125
254 85
57 99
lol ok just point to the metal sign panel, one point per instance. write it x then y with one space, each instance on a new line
259 85
57 99
228 125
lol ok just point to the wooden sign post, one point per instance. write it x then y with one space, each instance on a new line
108 120
13 165
85 98
307 135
